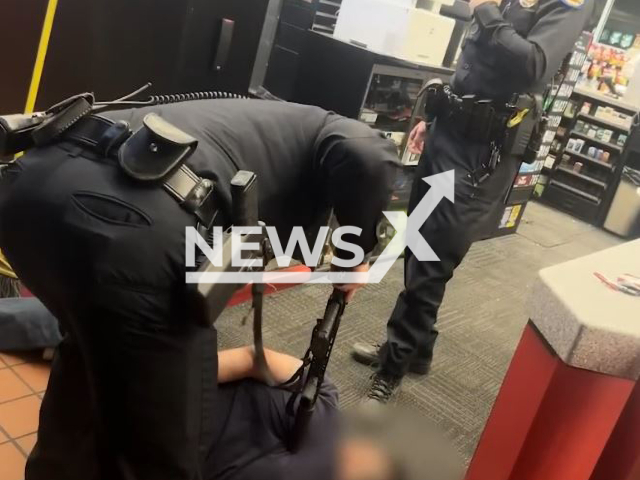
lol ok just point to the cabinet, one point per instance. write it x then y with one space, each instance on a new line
111 47
379 90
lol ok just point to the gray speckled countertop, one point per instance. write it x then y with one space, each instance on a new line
589 325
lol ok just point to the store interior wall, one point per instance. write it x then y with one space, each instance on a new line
20 26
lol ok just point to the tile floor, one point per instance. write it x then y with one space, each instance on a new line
23 378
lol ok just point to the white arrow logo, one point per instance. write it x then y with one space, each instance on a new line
408 227
407 235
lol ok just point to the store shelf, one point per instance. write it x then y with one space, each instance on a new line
333 4
580 193
607 145
605 99
589 159
586 178
327 15
604 122
322 28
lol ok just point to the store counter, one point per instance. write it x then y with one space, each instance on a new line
569 407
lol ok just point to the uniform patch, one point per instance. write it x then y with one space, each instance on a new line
528 3
574 3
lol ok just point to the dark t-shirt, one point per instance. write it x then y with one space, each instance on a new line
253 428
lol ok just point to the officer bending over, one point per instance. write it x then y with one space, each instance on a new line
93 222
514 47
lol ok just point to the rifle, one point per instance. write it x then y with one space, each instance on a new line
314 364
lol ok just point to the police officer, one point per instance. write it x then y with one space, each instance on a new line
94 224
513 47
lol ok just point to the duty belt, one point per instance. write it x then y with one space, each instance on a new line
483 121
106 138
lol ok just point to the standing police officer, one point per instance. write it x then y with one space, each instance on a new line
94 224
513 47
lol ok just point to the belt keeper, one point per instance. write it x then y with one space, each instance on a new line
114 137
200 202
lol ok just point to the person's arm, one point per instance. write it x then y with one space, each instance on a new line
358 167
239 364
548 42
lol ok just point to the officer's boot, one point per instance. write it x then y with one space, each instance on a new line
369 354
383 389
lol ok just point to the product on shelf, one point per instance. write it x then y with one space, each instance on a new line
606 156
599 133
577 167
549 136
586 108
607 135
592 152
609 67
611 115
622 139
569 108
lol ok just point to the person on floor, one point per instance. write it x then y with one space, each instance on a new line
513 47
26 324
253 431
9 283
94 225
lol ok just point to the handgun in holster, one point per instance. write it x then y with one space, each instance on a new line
437 96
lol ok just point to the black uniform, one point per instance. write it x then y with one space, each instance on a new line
132 393
510 50
252 443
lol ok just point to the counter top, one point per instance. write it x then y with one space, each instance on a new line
589 325
388 59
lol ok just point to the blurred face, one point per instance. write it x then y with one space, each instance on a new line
360 459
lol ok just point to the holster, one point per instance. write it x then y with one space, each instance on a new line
155 150
436 99
520 140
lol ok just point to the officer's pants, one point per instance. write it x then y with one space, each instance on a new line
133 384
450 231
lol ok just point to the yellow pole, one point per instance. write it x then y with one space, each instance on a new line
41 56
43 46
